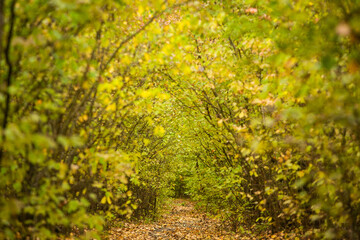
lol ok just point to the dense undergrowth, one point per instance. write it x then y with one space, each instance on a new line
249 107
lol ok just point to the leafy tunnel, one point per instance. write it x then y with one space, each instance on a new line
248 107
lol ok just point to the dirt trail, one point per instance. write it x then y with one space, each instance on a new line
182 221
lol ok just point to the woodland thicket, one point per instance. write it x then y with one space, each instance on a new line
250 107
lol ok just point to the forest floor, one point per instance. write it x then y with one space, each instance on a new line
183 221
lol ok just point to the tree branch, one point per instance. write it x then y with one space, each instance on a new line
9 72
131 36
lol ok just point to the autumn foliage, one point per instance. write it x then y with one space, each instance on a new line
248 107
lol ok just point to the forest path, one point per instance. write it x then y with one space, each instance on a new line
181 221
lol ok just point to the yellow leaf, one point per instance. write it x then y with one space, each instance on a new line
85 85
83 118
103 200
159 131
111 107
140 10
146 141
147 56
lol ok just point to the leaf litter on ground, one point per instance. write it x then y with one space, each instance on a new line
183 221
